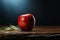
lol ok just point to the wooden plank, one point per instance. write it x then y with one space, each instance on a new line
35 30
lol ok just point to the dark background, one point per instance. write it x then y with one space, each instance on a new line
41 9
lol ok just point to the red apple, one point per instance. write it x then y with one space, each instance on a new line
26 22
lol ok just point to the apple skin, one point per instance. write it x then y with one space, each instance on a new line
26 22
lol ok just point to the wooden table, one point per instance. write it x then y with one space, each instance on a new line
37 30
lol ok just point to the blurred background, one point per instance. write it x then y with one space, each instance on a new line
41 9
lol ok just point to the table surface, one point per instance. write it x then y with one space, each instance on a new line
42 32
35 30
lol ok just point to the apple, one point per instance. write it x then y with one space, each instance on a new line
26 22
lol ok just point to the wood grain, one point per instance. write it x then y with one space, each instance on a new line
35 30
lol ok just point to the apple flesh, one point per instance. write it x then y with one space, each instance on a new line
26 22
